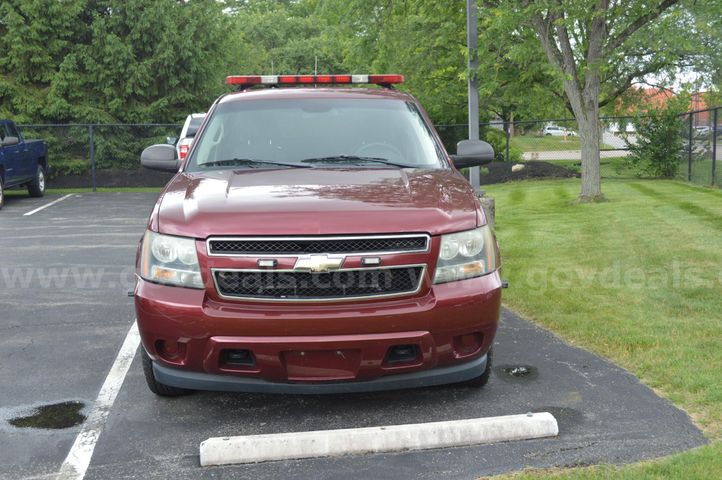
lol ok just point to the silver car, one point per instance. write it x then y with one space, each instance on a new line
556 131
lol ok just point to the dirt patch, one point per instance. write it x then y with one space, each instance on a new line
113 178
501 172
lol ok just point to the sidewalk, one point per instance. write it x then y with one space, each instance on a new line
569 155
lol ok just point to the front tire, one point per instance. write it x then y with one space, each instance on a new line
154 385
482 379
2 193
36 188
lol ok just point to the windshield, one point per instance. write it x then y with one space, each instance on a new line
303 132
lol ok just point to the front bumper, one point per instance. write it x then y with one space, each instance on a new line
316 348
226 383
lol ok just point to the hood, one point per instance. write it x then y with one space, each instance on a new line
316 201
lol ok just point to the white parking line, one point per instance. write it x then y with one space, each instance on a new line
392 438
48 205
78 459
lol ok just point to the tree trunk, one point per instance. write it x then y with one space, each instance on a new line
589 137
591 178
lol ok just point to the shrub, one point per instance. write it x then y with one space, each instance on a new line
659 143
68 166
497 139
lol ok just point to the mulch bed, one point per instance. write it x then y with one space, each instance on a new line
500 172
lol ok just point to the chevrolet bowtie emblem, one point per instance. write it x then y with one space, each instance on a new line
318 263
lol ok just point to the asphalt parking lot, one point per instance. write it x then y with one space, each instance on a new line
65 273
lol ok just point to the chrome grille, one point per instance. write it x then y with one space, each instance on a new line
274 246
335 285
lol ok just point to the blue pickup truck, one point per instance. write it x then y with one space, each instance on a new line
23 163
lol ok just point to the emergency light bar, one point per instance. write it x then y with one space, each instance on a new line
245 81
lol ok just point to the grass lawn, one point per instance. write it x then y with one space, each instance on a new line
637 279
535 143
614 167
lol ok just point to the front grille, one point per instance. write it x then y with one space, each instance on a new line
305 246
339 284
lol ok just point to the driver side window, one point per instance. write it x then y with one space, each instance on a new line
11 131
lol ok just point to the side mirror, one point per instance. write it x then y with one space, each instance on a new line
160 157
8 141
472 153
171 140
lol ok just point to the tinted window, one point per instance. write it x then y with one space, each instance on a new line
11 130
291 130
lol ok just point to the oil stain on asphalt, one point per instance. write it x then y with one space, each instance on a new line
51 417
517 372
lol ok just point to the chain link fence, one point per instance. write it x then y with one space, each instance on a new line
108 155
555 139
701 136
100 155
550 141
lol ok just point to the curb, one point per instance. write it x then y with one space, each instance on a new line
394 438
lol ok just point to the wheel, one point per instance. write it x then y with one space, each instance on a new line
154 385
548 134
482 379
2 193
36 188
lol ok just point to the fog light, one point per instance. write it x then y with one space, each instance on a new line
401 354
238 357
169 349
468 344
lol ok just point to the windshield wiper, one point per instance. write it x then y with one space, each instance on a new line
250 162
354 159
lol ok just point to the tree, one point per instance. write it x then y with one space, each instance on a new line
110 60
35 37
422 39
515 80
280 38
145 62
598 49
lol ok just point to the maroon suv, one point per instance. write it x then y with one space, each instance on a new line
316 240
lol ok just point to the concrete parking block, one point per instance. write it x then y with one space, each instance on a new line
392 438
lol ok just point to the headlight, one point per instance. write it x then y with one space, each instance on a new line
170 260
466 255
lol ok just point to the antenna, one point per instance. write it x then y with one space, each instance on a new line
315 68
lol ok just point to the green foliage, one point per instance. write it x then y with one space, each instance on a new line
69 166
110 60
278 39
120 146
659 141
497 139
